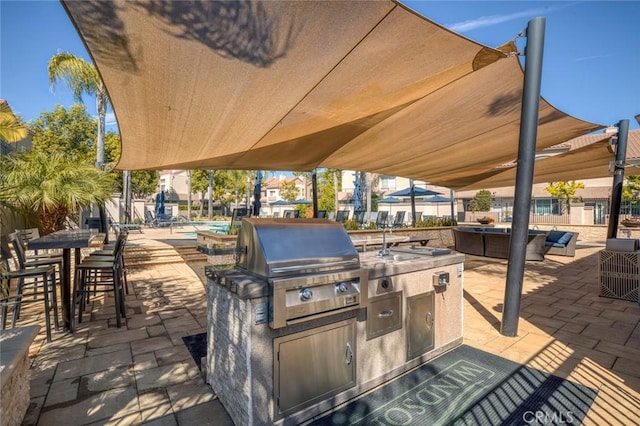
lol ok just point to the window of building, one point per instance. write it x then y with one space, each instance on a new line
546 206
387 182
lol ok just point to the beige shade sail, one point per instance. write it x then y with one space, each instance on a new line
292 85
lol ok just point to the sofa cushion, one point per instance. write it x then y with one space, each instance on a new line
564 239
554 236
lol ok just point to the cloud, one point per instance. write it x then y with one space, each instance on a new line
488 21
589 58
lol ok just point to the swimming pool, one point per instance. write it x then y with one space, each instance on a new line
218 227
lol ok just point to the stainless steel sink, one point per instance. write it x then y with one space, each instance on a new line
397 257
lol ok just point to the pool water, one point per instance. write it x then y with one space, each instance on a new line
209 226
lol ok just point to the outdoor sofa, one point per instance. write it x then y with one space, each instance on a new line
494 242
562 243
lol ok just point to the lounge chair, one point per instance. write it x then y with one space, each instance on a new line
343 216
398 221
381 220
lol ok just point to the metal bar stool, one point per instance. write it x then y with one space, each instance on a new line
41 280
106 274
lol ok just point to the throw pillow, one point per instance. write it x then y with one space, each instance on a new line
564 240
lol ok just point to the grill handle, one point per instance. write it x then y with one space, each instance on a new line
315 265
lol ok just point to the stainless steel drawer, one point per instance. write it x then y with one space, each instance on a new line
384 314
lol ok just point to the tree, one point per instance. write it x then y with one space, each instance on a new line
631 190
481 202
288 190
71 131
82 77
200 184
144 182
53 185
326 191
12 128
565 191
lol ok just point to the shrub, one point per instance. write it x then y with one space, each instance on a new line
351 225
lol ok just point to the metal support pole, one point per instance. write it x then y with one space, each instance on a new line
257 194
618 178
413 202
452 204
314 191
210 196
524 176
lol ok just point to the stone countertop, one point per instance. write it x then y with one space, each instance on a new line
14 344
406 260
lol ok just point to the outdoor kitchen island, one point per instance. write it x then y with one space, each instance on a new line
304 323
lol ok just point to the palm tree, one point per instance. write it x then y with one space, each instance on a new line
53 185
82 77
11 128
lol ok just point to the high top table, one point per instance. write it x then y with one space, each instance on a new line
66 240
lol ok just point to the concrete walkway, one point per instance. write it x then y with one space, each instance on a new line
142 373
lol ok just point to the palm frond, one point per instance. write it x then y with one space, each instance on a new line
11 128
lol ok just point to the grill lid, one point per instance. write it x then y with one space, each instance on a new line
285 247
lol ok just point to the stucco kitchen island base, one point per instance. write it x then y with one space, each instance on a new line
404 322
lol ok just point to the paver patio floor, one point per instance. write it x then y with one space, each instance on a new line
142 373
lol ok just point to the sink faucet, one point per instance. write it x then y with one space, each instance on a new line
384 251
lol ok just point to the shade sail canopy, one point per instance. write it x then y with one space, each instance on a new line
585 157
292 85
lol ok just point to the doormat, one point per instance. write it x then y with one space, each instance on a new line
468 386
197 346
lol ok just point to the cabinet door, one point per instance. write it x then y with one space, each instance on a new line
315 364
420 324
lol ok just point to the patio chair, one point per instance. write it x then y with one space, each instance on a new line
398 221
373 217
149 220
291 214
358 216
342 216
381 220
322 214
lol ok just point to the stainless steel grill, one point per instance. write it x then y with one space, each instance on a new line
311 265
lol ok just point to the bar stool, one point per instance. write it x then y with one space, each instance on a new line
109 254
33 261
42 282
106 274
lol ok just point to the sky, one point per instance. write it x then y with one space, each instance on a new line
591 57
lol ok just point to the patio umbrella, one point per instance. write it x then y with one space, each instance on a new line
160 203
413 192
300 201
437 199
417 191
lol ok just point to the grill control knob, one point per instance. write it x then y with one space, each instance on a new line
342 288
306 294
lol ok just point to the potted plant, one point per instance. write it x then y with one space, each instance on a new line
633 222
485 220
